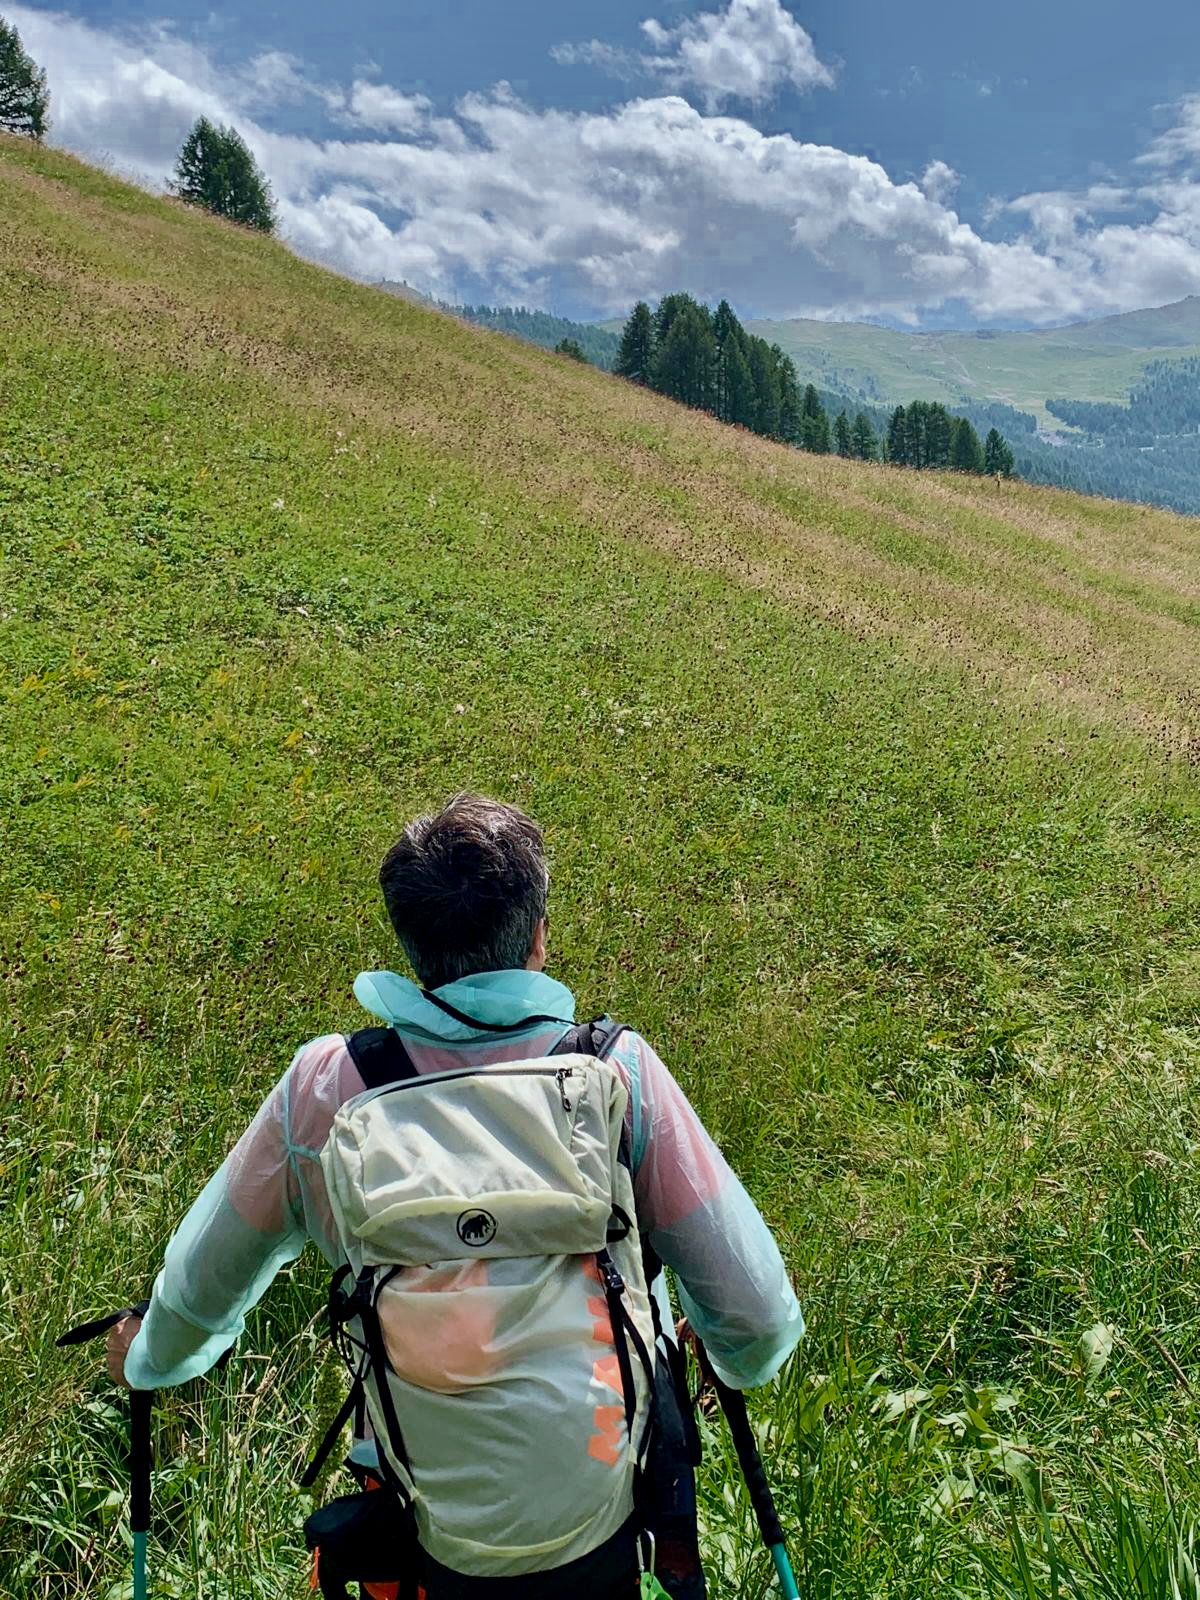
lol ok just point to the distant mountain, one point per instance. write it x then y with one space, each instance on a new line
1098 361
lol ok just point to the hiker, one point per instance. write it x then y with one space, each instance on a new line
477 1339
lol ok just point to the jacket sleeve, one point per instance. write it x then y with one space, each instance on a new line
221 1259
732 1283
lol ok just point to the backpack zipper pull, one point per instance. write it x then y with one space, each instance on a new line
560 1078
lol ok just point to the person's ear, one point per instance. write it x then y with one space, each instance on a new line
537 950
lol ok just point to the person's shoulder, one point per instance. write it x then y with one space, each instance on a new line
320 1057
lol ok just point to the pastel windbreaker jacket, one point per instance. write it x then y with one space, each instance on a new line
268 1198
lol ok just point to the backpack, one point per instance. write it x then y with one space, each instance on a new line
494 1309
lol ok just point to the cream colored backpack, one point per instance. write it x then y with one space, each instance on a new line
494 1307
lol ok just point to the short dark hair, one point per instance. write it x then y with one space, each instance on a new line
466 888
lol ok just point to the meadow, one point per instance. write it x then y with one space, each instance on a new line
1100 360
872 802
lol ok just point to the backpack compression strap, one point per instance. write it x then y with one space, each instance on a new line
380 1056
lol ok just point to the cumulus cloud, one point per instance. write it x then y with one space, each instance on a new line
745 52
503 201
1180 144
939 182
386 110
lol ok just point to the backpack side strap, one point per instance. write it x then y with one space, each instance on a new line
380 1056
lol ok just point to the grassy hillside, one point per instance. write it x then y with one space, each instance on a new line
1087 361
872 801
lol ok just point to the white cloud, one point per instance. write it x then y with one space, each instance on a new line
939 182
384 109
1181 142
503 201
745 52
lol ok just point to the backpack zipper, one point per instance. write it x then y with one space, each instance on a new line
559 1074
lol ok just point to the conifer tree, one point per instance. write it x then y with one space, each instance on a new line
24 98
939 435
914 435
572 348
669 307
739 386
764 375
863 442
789 396
814 422
216 170
966 452
635 358
997 457
684 360
729 336
842 441
897 438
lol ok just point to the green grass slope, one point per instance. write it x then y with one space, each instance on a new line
871 798
1098 360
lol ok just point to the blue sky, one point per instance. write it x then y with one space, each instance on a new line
939 164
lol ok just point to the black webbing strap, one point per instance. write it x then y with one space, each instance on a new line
377 1353
313 1470
625 1330
380 1056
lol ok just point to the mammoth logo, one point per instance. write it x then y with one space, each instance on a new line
476 1228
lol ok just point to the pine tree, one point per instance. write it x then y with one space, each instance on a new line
730 336
863 442
739 386
572 348
635 358
669 307
814 423
842 441
684 360
939 435
966 452
997 457
216 170
765 378
24 98
897 438
789 397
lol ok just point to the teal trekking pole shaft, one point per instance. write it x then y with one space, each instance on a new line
733 1404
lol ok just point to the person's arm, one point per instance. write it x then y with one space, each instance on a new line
221 1258
732 1283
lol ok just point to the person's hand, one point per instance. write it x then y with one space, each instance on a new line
120 1336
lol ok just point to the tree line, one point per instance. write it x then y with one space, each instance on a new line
707 360
1165 404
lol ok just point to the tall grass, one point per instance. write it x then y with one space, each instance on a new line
871 803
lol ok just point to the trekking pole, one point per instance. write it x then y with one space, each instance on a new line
141 1402
733 1404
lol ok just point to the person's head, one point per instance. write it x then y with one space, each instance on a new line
466 890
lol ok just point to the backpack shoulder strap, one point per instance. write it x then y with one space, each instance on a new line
595 1038
380 1056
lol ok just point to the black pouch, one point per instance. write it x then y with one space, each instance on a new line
364 1538
670 1489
